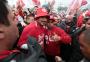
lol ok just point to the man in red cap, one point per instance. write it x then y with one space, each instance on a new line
48 36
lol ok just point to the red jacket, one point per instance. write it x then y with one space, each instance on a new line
80 21
52 47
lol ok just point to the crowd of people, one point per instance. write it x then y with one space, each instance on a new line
43 36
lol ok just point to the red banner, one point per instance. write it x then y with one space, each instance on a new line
84 2
21 3
51 2
75 5
36 2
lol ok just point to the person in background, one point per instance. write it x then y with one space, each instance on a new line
29 19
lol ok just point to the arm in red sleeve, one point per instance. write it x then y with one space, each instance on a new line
23 38
65 38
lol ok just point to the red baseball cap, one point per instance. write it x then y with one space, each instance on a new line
87 15
41 12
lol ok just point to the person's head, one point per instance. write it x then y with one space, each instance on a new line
42 16
43 20
52 20
69 18
8 27
84 40
29 18
87 21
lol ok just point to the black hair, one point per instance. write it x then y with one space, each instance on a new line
86 34
3 13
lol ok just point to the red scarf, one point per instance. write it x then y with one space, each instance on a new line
6 53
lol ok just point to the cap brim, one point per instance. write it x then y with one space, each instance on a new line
41 16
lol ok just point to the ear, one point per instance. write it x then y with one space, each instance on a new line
2 34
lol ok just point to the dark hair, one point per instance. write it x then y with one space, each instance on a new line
3 13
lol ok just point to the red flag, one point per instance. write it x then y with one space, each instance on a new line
75 5
21 3
84 2
36 2
51 2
